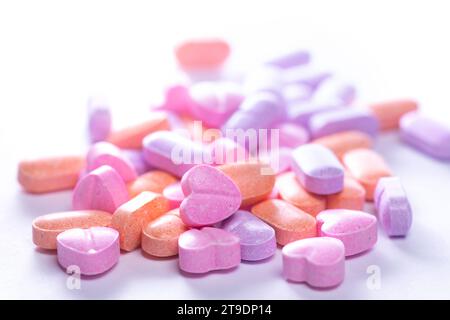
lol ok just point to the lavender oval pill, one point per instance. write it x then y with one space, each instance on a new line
318 169
99 122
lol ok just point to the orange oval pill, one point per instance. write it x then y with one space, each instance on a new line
47 227
254 180
202 54
290 223
160 237
351 197
50 174
131 137
367 167
389 113
153 181
343 142
293 192
132 216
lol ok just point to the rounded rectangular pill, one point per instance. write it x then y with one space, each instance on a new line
291 191
389 113
344 119
342 142
50 174
351 197
47 227
132 216
317 169
367 167
131 137
290 223
426 135
393 208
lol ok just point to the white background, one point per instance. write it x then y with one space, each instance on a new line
53 54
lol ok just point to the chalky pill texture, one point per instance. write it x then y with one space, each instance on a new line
316 261
211 196
426 135
101 189
318 169
47 227
93 251
356 229
257 239
208 249
228 165
392 205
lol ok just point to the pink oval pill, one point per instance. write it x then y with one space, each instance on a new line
93 251
202 54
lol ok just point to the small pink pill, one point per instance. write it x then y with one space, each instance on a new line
211 196
356 229
92 251
105 153
320 262
208 249
99 119
47 227
101 189
174 194
202 54
367 167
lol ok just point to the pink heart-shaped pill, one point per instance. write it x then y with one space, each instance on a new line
93 251
356 229
101 189
211 196
208 249
105 153
316 261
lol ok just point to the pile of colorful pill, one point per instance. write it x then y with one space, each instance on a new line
213 201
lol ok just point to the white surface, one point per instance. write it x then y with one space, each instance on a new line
53 54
